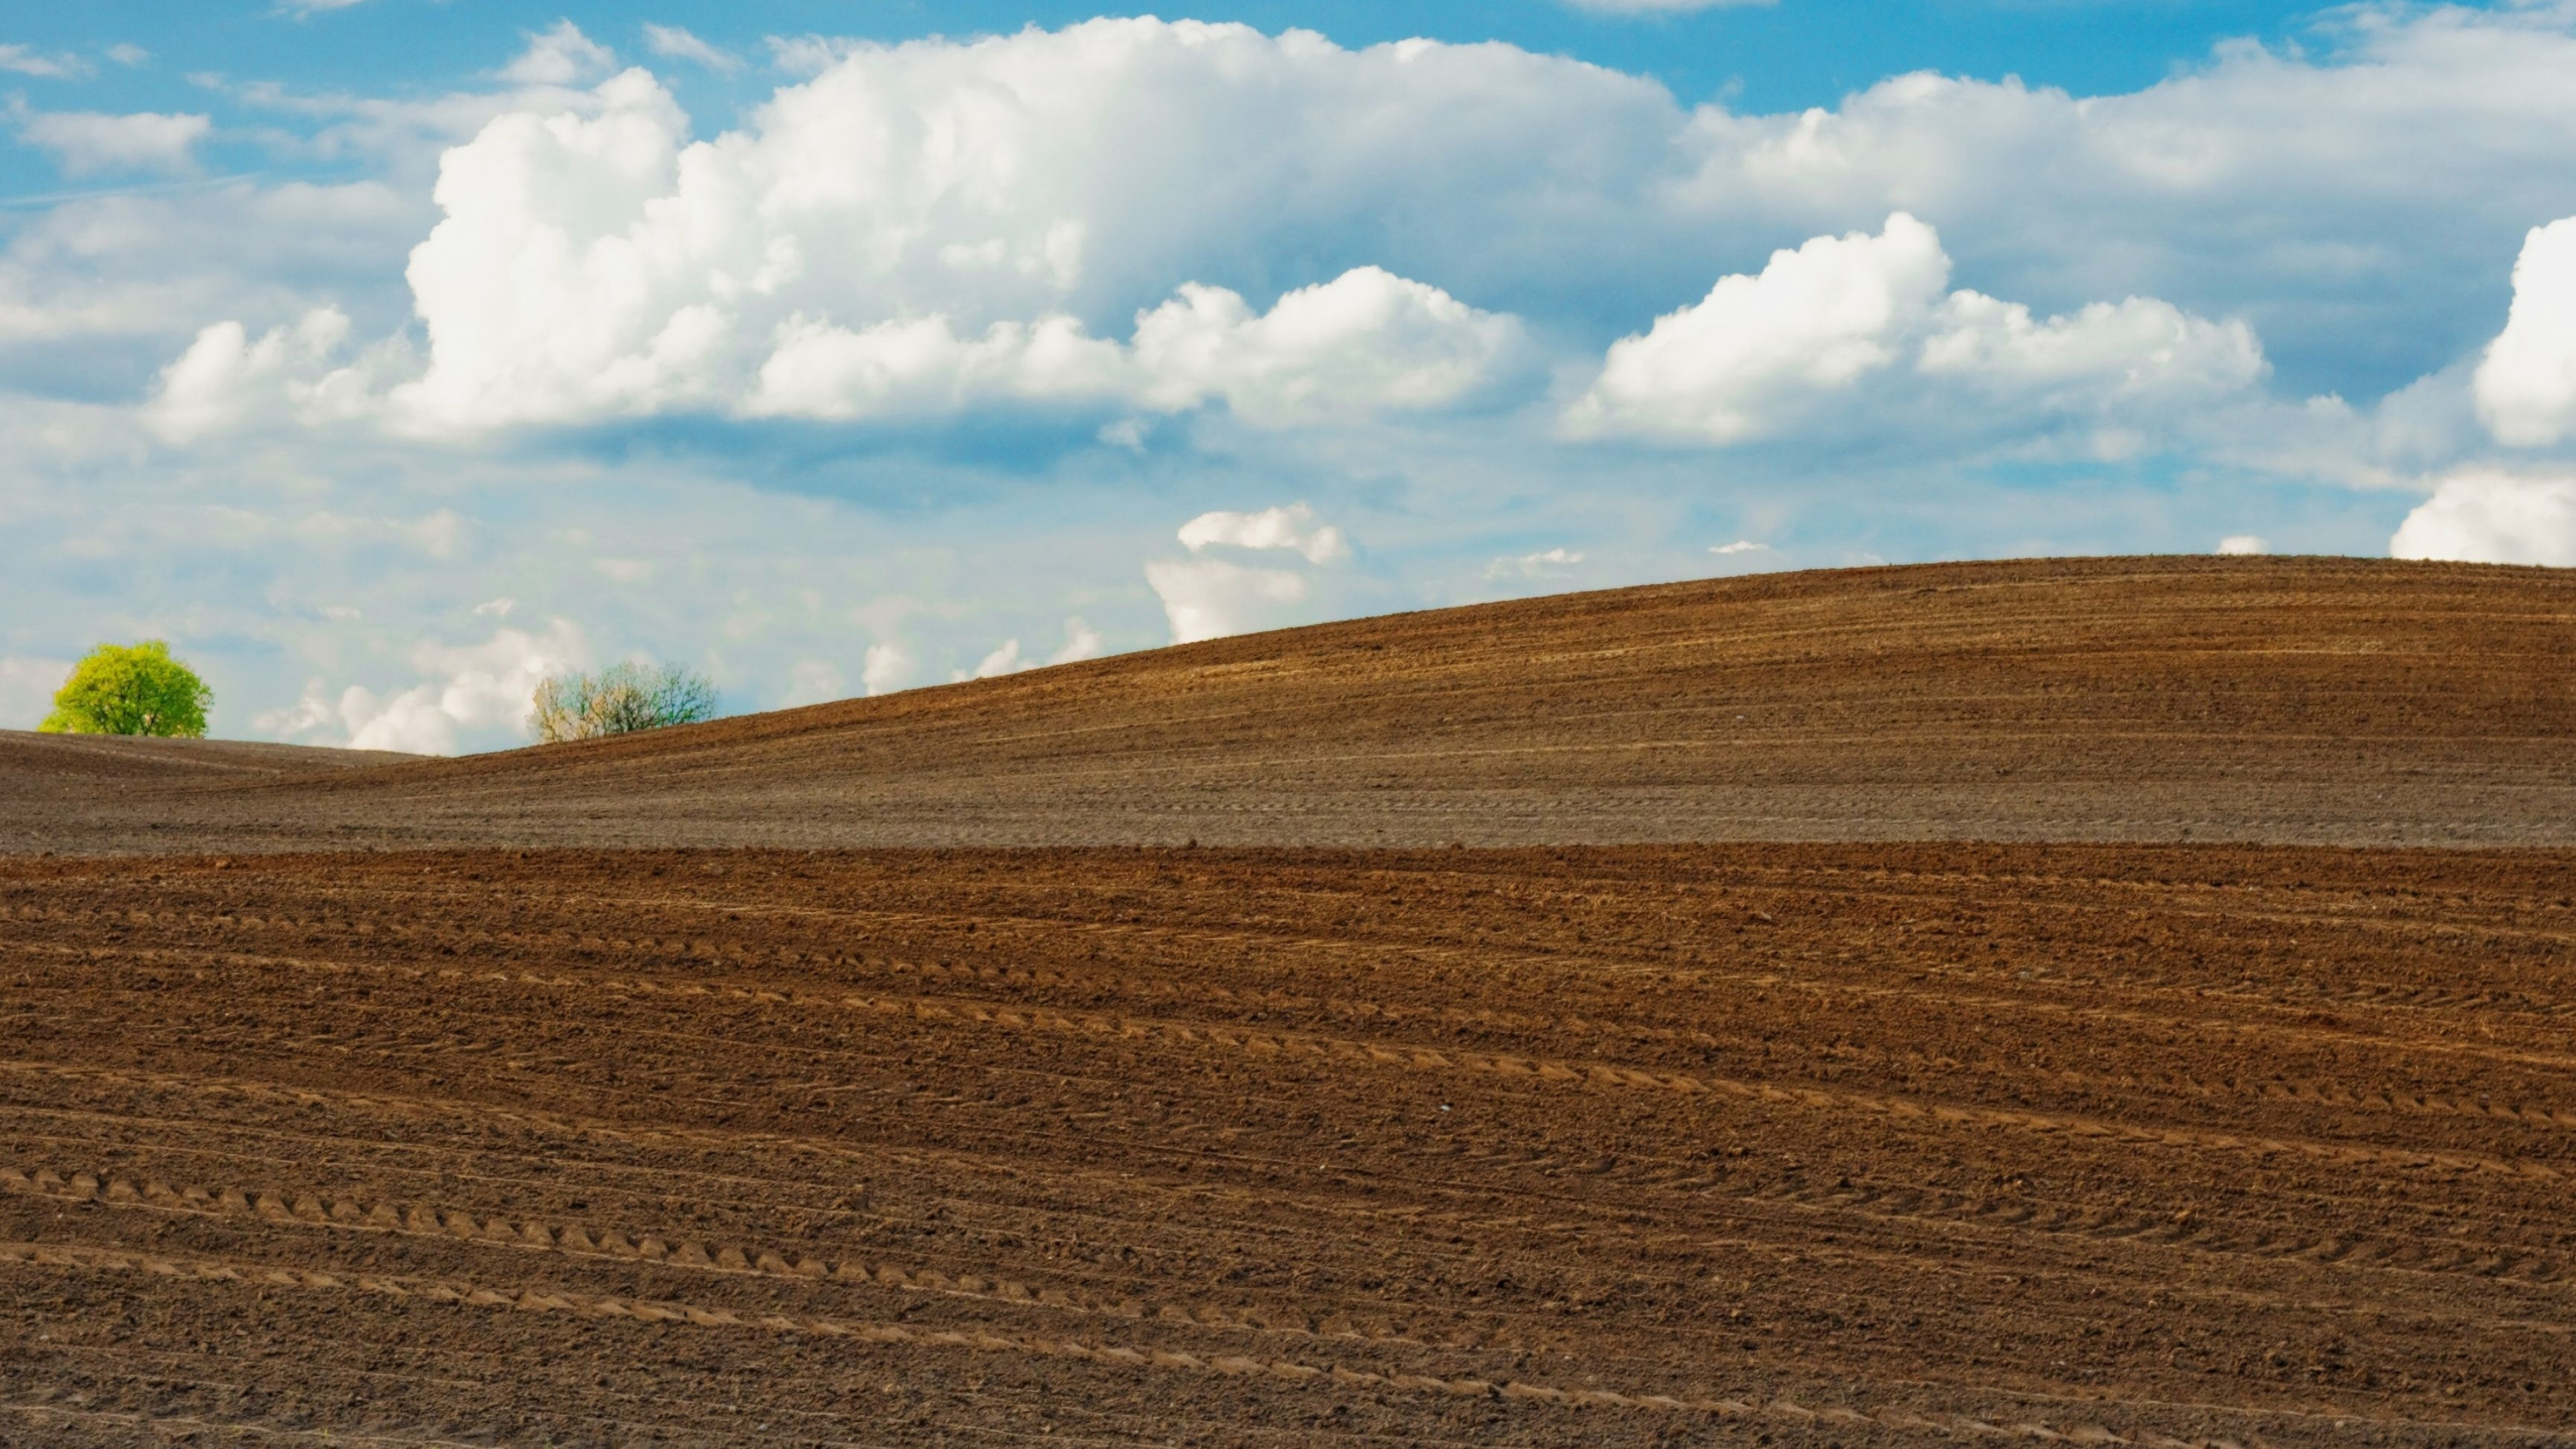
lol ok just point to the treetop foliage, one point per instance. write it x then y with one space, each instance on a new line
133 689
620 699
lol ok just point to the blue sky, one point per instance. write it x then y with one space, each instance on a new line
384 356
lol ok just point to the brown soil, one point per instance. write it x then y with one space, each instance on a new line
1800 1143
2297 700
1808 1144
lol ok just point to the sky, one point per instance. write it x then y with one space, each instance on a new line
385 356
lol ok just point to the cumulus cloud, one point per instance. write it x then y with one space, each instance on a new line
226 378
88 142
1003 660
887 668
949 225
922 367
1291 527
1740 546
1081 641
1814 319
2486 515
1764 352
2106 352
584 321
2526 384
1207 596
1367 340
679 44
2244 543
930 226
467 688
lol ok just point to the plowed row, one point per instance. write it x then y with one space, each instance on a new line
1860 1144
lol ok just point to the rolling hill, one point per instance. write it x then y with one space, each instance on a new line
2334 701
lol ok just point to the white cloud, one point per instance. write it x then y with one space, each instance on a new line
1003 660
1741 545
1081 642
2244 543
1291 527
931 226
922 367
1544 564
888 667
87 142
496 608
539 312
1208 597
126 54
25 60
1364 342
27 686
562 56
1733 365
480 687
679 44
2526 385
2107 350
302 8
225 379
1762 354
2485 515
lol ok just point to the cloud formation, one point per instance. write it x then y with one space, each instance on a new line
468 687
887 668
596 265
2526 383
1762 353
86 143
2488 515
1293 527
1209 596
27 60
1081 641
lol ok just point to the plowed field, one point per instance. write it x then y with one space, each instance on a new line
2320 701
1823 1144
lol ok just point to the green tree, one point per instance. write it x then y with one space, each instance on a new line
620 699
135 689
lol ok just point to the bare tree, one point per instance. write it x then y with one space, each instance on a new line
620 699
